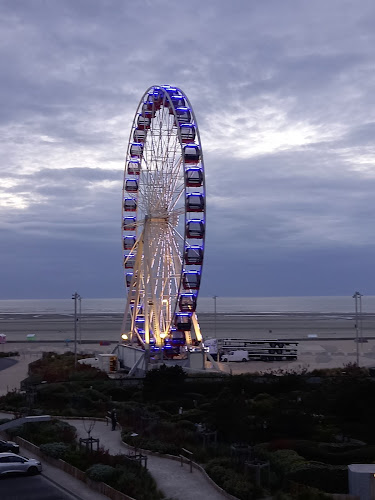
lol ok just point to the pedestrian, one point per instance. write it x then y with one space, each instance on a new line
113 419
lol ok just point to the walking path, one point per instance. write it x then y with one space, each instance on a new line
174 481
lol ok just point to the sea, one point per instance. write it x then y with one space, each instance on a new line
224 305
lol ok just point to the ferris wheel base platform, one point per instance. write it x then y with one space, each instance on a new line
135 362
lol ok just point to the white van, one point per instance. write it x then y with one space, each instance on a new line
235 356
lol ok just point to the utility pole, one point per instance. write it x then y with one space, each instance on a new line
215 297
79 320
75 297
357 297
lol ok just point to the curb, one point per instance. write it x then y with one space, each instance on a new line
61 487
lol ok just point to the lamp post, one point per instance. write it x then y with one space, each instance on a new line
215 297
79 320
75 297
357 299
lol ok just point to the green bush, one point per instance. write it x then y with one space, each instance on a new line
54 450
103 473
45 432
327 478
221 471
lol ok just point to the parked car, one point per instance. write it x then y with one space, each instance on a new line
12 463
238 355
9 446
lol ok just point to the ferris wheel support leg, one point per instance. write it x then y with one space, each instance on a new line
196 326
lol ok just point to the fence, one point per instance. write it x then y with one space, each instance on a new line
102 488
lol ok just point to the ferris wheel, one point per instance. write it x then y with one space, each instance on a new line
163 223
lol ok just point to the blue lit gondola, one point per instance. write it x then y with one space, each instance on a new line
129 261
187 302
191 280
183 115
187 131
177 337
131 185
194 177
195 228
128 242
130 205
193 255
195 202
136 150
182 321
129 223
192 153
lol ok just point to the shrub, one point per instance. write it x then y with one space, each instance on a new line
327 478
100 472
54 450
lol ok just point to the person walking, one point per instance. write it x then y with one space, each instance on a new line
113 419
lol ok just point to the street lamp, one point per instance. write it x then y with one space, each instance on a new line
357 299
215 297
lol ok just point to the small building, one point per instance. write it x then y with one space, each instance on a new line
3 338
362 481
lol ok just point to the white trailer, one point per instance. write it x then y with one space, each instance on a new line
257 349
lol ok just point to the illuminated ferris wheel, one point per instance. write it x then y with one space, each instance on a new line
163 223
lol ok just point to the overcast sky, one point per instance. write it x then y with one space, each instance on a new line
283 92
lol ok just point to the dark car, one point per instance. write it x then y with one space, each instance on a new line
9 446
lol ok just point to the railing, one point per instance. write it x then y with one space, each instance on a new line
186 455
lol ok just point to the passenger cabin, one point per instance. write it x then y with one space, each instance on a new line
193 255
128 279
187 131
156 97
129 261
129 223
131 185
191 280
183 115
177 337
192 153
143 122
140 322
128 242
148 109
182 321
130 205
194 177
195 229
178 102
195 202
136 150
139 135
171 90
134 167
187 302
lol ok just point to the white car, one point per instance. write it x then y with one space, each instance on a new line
238 355
11 463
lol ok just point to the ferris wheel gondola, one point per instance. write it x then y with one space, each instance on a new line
163 221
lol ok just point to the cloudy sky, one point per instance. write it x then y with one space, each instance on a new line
283 92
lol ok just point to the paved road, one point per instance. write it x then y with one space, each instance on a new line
6 363
31 488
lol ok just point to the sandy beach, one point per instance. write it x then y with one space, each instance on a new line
325 341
